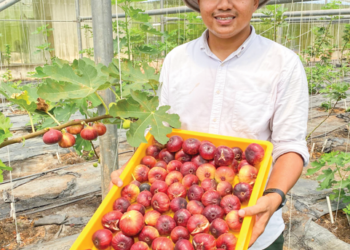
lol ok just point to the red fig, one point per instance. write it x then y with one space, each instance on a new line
111 220
122 242
67 141
183 245
204 241
89 133
102 239
191 146
162 243
100 128
254 154
75 129
174 144
52 136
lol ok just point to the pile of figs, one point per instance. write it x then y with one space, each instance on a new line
182 197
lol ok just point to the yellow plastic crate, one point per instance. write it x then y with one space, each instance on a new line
84 240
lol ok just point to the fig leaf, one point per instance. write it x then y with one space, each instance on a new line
145 109
78 80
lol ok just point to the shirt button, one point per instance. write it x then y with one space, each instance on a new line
214 120
218 92
222 65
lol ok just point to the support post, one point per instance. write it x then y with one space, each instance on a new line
103 50
162 19
77 13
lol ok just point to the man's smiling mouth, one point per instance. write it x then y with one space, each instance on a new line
225 18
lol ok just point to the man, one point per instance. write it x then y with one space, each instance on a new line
233 82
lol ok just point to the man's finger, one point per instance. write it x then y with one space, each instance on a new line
115 177
250 211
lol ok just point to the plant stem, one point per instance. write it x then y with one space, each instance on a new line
53 118
93 147
103 103
31 121
115 93
154 91
127 33
43 131
323 120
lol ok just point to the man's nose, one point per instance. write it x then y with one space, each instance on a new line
225 4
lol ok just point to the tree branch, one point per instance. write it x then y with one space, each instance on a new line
43 131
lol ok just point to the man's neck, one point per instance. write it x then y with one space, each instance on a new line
222 48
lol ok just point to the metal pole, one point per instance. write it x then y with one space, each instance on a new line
103 50
162 20
7 3
77 14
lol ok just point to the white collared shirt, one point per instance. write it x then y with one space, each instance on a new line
259 92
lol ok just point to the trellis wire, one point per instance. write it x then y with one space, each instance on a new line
13 204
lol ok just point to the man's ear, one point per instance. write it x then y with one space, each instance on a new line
256 4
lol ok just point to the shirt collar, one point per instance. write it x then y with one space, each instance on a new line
205 46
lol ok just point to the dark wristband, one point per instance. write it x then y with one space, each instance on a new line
277 191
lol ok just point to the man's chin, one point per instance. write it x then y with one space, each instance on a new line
223 34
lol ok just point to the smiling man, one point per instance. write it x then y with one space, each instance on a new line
233 82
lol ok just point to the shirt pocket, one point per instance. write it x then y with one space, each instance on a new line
251 113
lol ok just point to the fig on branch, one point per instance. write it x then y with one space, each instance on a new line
100 128
75 129
52 136
126 124
89 133
67 141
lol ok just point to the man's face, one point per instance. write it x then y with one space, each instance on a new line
227 18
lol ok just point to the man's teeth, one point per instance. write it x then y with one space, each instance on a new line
224 18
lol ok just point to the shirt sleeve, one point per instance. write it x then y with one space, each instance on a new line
289 122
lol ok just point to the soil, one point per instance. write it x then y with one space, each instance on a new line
31 235
340 228
74 158
335 110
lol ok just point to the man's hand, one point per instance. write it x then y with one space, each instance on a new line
115 180
263 210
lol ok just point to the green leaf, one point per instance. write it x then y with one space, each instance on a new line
39 73
137 15
69 83
4 136
81 144
148 28
122 43
317 166
4 167
145 109
342 184
32 93
327 179
147 50
63 114
17 96
5 125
